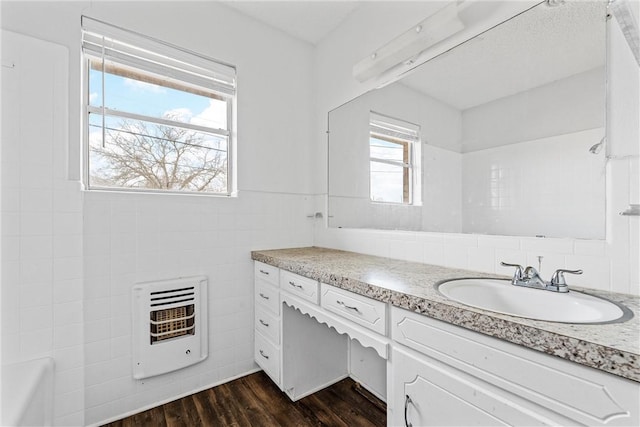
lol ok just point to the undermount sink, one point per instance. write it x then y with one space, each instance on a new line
502 297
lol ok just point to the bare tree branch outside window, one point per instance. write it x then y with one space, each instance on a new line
139 154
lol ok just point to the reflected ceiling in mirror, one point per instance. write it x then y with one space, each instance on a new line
506 121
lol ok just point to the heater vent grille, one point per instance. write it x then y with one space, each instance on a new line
170 325
172 322
172 296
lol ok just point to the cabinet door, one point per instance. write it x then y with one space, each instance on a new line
428 393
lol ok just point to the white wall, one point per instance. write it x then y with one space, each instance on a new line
41 220
564 106
125 238
623 173
608 264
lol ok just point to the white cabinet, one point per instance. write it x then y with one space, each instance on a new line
314 356
267 273
267 296
267 320
300 354
299 286
436 373
429 393
474 376
267 355
367 312
267 323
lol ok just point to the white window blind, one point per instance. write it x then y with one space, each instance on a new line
138 51
385 126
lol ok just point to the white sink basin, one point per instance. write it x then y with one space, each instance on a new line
502 297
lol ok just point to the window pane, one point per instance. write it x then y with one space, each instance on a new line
95 88
138 154
149 95
381 149
387 182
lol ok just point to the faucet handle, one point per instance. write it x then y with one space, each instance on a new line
557 279
530 272
519 273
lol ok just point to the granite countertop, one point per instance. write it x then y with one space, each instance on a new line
613 347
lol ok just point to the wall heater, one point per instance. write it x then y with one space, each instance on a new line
169 325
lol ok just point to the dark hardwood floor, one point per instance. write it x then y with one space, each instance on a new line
255 401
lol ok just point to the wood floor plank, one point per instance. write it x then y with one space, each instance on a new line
174 414
349 401
146 418
190 412
317 406
250 406
255 401
203 406
280 407
218 398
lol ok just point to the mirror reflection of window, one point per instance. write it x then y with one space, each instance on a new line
392 159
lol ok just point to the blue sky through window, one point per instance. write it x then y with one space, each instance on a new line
126 94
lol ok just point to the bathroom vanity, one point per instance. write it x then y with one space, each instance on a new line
433 360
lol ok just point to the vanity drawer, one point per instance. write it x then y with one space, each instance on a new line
267 324
302 287
364 311
266 272
267 296
267 356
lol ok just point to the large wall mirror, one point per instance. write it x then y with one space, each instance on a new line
501 135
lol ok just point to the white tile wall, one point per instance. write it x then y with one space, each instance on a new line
133 238
41 222
523 206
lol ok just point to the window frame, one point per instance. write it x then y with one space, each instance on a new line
160 48
407 135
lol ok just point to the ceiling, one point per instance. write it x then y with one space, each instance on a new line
533 49
309 21
493 65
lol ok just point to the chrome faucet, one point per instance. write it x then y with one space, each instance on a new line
533 279
530 278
